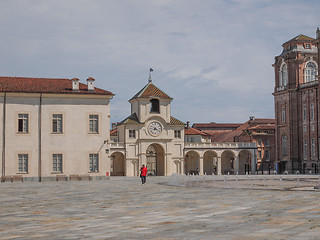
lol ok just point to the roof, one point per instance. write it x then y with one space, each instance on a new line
214 125
114 132
301 38
262 127
193 131
45 85
230 135
174 121
150 90
132 119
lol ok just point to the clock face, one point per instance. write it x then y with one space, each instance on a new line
155 128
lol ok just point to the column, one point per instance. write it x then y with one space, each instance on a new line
236 164
182 166
253 162
201 166
219 165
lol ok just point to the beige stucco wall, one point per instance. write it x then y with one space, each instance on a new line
75 143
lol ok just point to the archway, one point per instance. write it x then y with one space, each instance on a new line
227 162
210 162
117 167
244 162
155 160
192 163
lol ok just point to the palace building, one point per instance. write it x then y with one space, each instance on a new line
296 99
53 129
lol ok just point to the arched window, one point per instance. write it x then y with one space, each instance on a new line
310 72
284 145
283 78
155 106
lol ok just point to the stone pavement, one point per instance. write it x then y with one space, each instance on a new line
122 208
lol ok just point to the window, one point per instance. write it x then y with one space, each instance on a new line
23 163
192 139
57 123
307 45
284 145
305 147
312 128
93 124
259 154
267 143
283 78
313 147
94 162
132 133
57 162
304 129
266 131
312 111
310 72
283 115
177 133
155 106
23 123
304 113
267 154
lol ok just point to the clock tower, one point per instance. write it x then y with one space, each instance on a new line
151 135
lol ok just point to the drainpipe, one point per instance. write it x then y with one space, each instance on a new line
39 138
4 135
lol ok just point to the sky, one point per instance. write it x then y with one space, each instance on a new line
213 57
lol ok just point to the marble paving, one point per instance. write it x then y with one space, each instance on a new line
122 208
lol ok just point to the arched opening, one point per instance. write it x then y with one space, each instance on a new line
155 106
117 167
155 160
310 72
244 162
192 163
283 77
227 162
210 162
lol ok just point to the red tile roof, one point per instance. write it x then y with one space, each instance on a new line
150 90
193 131
114 132
221 134
213 125
45 85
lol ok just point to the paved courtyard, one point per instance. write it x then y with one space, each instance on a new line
122 208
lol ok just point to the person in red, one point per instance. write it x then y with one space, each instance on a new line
143 174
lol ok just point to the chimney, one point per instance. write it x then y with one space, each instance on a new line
318 33
114 126
90 82
75 84
188 124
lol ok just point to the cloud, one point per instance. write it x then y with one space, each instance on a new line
213 57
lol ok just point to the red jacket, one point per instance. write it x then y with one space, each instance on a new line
144 171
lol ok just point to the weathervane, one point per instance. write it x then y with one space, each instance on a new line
150 80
